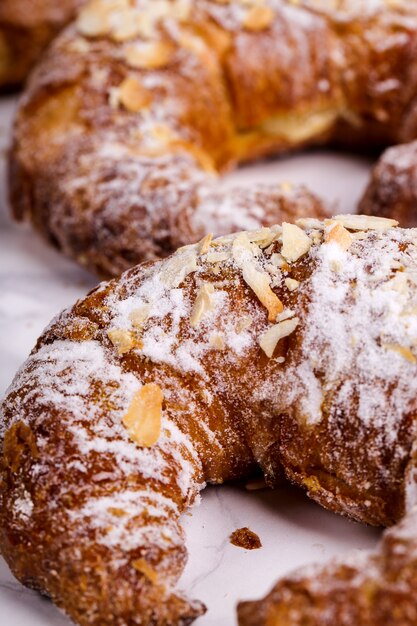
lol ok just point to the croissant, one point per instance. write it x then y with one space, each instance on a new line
291 349
26 28
138 106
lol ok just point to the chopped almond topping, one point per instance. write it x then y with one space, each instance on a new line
338 234
405 352
93 21
260 285
123 340
306 223
217 257
128 25
273 335
149 56
133 96
291 284
243 323
295 243
178 267
202 304
139 316
144 416
258 18
365 222
143 567
205 243
257 279
217 341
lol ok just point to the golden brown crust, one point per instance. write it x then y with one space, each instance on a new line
290 348
114 102
367 590
26 28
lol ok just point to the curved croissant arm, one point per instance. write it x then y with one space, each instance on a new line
291 348
392 190
138 105
26 28
369 589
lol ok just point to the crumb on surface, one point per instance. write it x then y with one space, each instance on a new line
245 538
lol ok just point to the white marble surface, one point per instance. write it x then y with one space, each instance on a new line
36 282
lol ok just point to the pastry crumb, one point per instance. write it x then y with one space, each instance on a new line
245 538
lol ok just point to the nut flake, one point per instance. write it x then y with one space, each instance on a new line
258 18
93 20
139 316
123 340
291 284
205 243
144 416
217 341
269 340
149 55
336 233
365 222
132 95
257 279
202 304
243 324
295 243
402 350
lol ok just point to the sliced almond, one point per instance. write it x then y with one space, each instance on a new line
258 18
133 96
257 279
144 416
202 304
291 284
269 340
143 567
339 235
243 323
139 316
217 341
308 223
205 243
126 25
123 340
217 257
295 242
182 10
404 351
93 20
176 269
365 222
260 285
150 55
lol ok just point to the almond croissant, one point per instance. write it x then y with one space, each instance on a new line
290 348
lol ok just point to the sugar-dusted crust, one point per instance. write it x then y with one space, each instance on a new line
366 589
392 190
292 349
137 107
26 28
